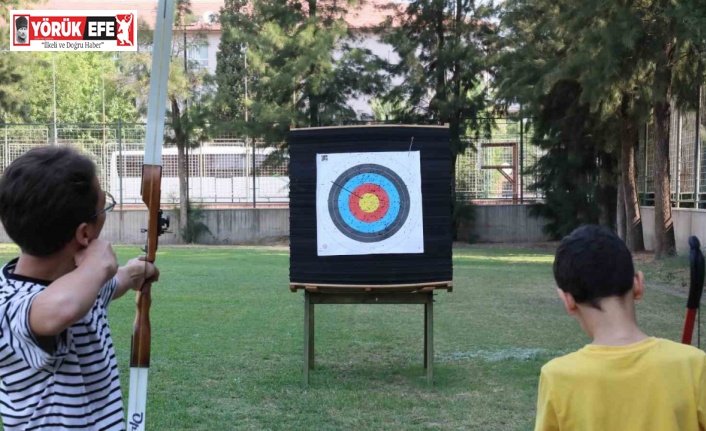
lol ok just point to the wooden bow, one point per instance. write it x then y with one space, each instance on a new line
696 288
157 224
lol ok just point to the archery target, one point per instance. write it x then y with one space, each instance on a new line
369 203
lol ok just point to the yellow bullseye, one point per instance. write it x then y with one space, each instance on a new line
369 202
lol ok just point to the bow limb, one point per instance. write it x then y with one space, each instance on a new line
696 287
151 196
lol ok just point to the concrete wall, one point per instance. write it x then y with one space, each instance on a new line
231 226
687 222
494 223
504 223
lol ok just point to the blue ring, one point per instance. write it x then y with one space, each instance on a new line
398 185
362 226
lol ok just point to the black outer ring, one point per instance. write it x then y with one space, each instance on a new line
392 228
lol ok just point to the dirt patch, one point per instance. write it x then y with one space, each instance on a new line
643 257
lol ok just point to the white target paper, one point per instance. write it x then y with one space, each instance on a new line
369 203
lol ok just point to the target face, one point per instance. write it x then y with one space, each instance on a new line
369 203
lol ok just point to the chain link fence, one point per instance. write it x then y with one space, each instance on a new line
686 157
494 170
220 171
227 170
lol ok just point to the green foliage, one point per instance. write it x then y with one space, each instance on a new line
302 66
629 59
444 48
463 212
86 84
385 110
230 64
576 174
194 227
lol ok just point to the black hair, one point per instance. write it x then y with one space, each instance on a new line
593 263
45 194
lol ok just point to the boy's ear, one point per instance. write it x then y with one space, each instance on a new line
568 300
83 234
638 288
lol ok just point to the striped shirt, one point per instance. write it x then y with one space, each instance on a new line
75 386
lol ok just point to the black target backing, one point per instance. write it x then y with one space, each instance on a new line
435 164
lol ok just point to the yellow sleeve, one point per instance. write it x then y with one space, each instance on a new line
546 415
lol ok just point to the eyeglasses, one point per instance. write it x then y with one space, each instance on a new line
110 201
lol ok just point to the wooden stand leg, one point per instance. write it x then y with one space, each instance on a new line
429 338
311 335
426 342
307 338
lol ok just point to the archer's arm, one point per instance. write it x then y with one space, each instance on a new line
70 297
133 275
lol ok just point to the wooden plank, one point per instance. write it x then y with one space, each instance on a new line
367 298
448 285
425 289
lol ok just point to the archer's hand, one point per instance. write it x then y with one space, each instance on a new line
98 256
141 272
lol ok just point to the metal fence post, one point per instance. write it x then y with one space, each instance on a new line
644 177
254 178
522 160
697 153
120 167
677 173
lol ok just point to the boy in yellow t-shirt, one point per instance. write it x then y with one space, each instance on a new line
624 380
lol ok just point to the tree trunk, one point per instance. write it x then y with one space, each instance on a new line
440 98
620 212
629 137
665 244
180 138
607 190
314 119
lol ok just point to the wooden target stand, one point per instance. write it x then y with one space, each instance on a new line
320 294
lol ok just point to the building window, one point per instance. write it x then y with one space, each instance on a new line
198 55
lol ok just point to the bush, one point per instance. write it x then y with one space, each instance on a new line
463 211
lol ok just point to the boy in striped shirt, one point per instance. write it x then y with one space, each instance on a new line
57 363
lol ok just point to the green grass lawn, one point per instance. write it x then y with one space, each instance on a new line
227 345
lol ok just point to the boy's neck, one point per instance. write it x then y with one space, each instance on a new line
614 324
47 268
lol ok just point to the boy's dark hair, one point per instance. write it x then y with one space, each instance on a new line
593 263
45 194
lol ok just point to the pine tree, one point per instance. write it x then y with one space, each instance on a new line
302 67
444 48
